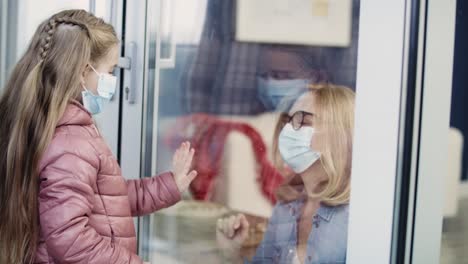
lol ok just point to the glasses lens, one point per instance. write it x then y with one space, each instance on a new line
297 120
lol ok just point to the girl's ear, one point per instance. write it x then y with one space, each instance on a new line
84 74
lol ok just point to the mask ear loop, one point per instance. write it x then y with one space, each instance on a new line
91 66
98 74
84 88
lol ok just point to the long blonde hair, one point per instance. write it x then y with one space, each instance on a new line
42 84
335 120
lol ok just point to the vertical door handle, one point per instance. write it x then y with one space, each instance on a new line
128 64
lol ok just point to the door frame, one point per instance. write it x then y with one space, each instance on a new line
436 86
383 31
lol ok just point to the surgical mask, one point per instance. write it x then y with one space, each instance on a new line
294 147
106 89
271 92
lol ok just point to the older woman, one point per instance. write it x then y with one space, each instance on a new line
315 141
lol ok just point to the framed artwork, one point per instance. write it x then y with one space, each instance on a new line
300 22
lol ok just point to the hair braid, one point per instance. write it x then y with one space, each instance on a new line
50 29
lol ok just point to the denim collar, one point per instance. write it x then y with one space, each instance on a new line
324 211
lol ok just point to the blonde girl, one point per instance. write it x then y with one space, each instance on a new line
62 196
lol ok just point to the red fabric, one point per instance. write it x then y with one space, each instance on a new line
207 135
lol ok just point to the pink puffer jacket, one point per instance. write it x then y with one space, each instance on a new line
85 204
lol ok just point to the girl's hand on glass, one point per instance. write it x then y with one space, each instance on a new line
181 165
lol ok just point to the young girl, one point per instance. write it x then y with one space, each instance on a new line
308 225
62 196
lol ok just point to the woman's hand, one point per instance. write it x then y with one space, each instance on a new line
231 232
181 163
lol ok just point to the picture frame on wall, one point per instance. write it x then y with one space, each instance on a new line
299 22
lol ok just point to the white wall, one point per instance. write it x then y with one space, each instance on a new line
32 12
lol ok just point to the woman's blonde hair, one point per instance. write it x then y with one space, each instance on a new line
334 120
42 84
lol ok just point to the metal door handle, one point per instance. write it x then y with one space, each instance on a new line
128 64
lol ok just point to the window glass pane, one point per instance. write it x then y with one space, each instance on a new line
455 231
226 81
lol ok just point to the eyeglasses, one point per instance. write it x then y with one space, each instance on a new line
298 119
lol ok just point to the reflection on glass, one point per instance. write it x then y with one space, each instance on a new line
309 222
266 191
455 225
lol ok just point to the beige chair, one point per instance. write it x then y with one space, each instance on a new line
452 180
236 186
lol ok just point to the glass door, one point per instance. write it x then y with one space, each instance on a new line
431 218
220 73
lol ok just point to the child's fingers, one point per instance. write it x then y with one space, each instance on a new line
192 176
182 147
186 147
177 152
191 154
188 150
189 159
185 151
181 150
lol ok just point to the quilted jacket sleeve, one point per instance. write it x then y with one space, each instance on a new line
150 194
65 203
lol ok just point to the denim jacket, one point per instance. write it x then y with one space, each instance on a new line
326 244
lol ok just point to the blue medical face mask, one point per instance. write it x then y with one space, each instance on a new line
107 84
294 147
271 92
